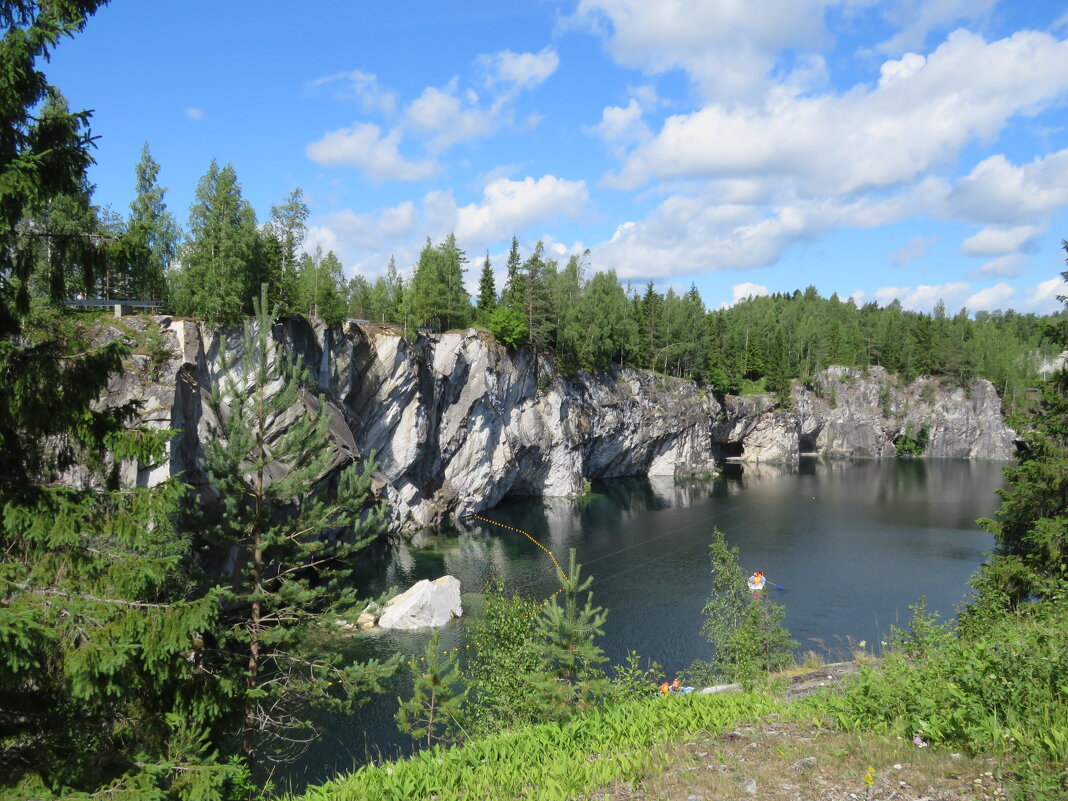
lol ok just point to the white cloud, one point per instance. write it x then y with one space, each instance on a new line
519 70
727 48
924 297
919 117
999 192
1043 298
448 118
508 206
991 298
915 248
740 292
1007 266
917 18
366 241
993 241
363 147
362 87
621 125
701 233
194 113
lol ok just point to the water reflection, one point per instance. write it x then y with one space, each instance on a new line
854 543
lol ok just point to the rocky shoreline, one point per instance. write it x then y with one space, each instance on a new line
457 422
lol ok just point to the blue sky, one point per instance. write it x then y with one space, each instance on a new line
914 149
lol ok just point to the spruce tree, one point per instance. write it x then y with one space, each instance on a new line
571 676
434 710
221 261
268 453
487 291
1031 525
99 692
154 229
285 233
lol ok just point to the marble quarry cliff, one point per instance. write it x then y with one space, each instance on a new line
456 422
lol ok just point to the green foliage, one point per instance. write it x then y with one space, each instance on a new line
294 548
1031 527
508 326
433 712
912 442
571 678
155 232
487 291
221 262
504 662
548 761
437 297
995 689
747 633
318 289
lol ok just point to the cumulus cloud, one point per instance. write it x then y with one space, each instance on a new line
519 70
362 87
918 18
1000 192
919 116
1007 266
727 48
740 292
701 233
990 299
994 241
621 127
448 116
925 296
1043 298
436 119
362 146
509 206
366 241
915 248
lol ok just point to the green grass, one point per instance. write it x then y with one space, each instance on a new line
549 761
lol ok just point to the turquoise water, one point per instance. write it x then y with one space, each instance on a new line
853 543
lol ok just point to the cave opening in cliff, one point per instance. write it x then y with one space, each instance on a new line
729 450
806 444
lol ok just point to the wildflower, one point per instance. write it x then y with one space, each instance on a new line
918 740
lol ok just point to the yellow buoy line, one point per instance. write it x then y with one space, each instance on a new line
446 652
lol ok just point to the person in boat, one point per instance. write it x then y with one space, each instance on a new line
756 584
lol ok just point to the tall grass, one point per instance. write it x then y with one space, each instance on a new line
1001 691
548 761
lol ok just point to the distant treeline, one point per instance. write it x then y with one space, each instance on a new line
214 269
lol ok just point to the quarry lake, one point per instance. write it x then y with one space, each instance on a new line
853 543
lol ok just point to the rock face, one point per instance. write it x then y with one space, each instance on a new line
426 603
456 422
864 413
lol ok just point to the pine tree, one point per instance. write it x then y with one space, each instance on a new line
571 675
433 712
285 233
1031 526
97 688
296 547
487 291
221 261
154 229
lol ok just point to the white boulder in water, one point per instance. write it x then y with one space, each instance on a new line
427 603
